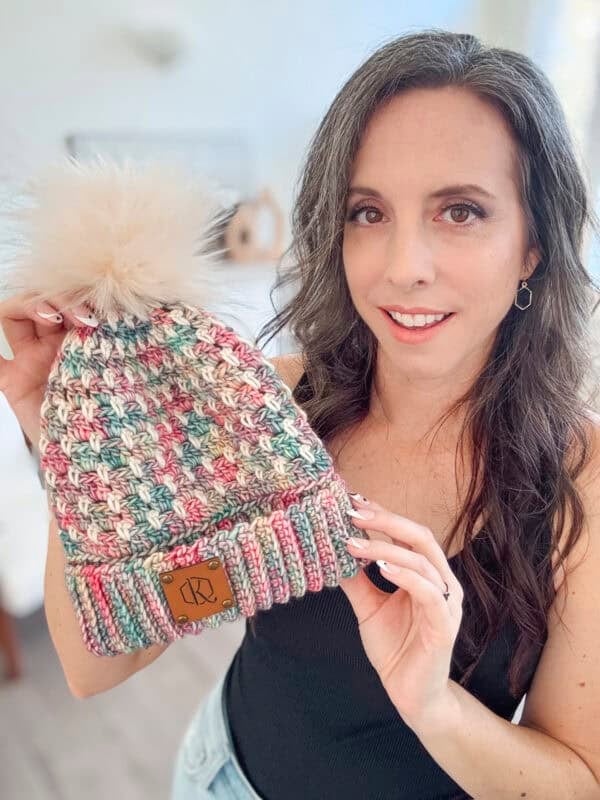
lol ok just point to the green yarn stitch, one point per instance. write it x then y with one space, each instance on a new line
112 456
74 360
126 619
72 548
185 336
284 445
190 455
129 335
162 497
84 457
137 507
198 426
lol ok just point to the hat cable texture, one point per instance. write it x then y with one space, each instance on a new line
187 485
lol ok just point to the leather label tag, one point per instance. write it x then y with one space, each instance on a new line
197 591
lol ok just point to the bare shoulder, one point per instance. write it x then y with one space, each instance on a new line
588 480
588 486
289 367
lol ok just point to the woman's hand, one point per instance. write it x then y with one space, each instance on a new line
34 342
408 635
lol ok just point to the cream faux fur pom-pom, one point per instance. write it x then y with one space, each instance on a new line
121 238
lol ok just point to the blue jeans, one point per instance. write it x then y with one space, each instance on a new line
206 767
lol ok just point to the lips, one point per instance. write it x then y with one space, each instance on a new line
419 327
418 334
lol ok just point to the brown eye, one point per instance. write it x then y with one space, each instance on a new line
371 213
460 213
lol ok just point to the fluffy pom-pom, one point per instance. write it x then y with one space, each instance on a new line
123 238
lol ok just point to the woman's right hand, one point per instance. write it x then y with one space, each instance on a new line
34 342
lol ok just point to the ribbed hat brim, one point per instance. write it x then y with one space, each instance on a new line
121 606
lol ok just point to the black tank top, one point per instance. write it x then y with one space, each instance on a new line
310 719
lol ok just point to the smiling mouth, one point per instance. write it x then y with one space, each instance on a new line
417 327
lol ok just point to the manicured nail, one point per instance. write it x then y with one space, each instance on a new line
385 566
91 321
360 515
360 543
359 498
51 317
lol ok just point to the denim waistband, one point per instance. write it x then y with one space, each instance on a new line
206 746
209 745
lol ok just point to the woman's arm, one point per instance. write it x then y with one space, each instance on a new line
86 673
494 759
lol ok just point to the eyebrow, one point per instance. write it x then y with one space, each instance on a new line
457 188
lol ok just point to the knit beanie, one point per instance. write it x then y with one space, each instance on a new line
187 485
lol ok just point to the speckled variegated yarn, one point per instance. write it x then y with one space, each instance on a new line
173 440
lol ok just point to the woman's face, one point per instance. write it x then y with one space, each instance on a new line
413 238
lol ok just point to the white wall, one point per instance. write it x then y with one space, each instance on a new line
266 68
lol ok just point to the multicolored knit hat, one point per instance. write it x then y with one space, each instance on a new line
187 485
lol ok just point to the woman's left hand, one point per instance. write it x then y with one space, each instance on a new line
408 635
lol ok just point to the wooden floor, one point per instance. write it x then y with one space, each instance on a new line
120 744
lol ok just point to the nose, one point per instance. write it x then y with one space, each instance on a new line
408 257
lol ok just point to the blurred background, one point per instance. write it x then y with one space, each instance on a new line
234 89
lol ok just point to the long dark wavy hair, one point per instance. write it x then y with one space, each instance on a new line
527 415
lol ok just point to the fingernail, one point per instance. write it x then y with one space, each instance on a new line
360 543
387 567
91 321
51 317
359 498
360 515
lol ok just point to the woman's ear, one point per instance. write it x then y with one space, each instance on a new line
533 259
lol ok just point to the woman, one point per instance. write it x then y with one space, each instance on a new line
442 180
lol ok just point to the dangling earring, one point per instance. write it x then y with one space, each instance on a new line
523 288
